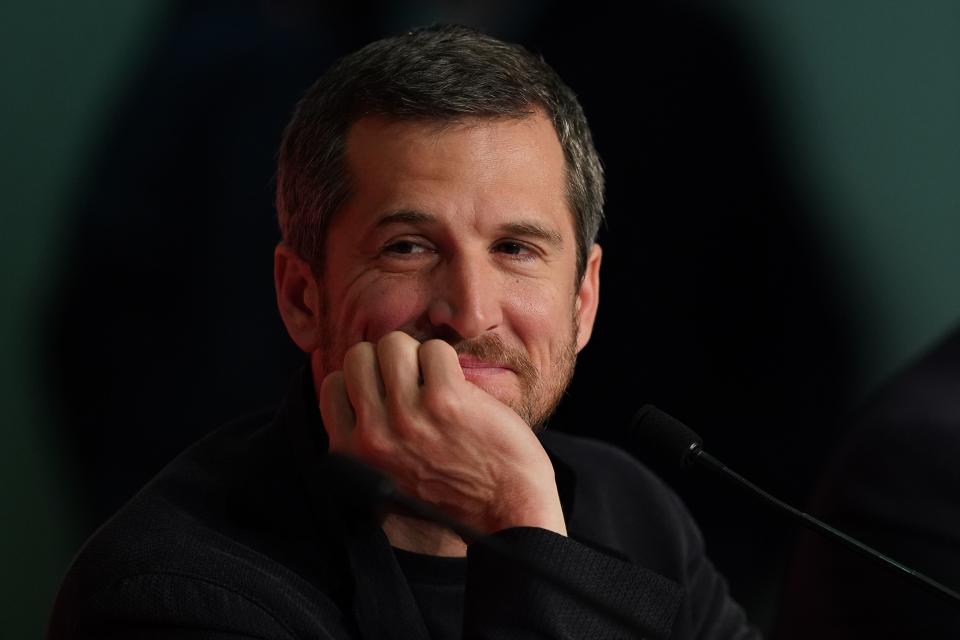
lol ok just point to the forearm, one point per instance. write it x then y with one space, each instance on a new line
504 599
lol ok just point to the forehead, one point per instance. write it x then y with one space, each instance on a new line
490 166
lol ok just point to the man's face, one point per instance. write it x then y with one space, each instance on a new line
461 232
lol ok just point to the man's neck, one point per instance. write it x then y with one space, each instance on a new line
419 536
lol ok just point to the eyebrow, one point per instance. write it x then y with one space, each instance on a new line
533 230
524 228
405 216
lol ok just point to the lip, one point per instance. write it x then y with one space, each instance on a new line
473 365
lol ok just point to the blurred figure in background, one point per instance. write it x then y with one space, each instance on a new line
894 484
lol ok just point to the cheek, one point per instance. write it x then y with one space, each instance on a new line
372 310
532 306
541 315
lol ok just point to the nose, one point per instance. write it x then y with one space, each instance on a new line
467 298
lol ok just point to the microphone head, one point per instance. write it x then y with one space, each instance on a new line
654 430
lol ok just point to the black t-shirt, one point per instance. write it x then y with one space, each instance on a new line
438 585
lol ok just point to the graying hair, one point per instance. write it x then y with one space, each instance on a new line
439 73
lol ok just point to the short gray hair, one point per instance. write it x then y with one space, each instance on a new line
441 73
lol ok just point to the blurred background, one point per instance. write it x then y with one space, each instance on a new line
783 229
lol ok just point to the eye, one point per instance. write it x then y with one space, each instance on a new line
514 249
405 247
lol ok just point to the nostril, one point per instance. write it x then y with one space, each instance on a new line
444 332
439 313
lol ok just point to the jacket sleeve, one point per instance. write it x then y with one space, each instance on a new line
168 606
505 599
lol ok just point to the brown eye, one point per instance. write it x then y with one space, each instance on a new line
516 250
405 248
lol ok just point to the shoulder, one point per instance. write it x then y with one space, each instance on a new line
622 505
581 451
600 466
217 538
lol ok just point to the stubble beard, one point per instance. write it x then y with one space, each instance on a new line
539 396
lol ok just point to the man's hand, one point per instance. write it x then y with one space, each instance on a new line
406 409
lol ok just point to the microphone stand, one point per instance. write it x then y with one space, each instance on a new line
653 428
707 461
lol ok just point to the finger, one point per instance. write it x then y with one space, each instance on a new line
338 417
439 363
399 366
361 376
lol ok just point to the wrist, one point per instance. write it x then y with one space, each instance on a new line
541 509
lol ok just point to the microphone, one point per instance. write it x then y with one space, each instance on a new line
652 428
358 484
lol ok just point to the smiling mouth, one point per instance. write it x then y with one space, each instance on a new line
471 365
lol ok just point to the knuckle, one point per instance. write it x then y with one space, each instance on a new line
435 348
385 346
442 403
394 339
356 354
331 384
393 345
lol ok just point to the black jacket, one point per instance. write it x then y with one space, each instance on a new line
239 537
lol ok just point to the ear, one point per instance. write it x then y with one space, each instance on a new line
588 297
298 297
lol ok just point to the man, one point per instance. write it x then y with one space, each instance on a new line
439 196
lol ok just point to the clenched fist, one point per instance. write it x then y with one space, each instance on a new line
406 409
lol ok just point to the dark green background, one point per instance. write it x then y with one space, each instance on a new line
870 92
